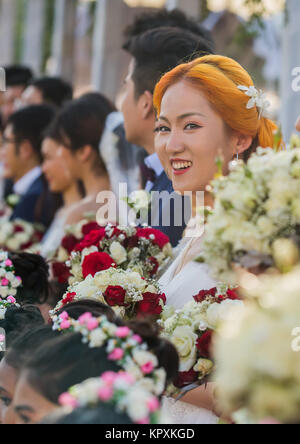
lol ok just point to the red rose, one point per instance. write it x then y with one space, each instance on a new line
69 243
91 226
95 262
186 378
61 272
115 296
161 239
151 304
233 294
204 294
68 299
204 344
18 229
154 265
131 242
91 239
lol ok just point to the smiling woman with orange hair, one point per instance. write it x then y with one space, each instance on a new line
204 108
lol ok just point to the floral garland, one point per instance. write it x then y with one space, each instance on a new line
9 282
191 330
6 304
126 292
120 390
123 346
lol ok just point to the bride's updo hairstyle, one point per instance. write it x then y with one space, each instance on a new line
218 78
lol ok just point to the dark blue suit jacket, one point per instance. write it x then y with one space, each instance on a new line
37 195
172 230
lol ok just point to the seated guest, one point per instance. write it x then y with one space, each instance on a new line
54 91
59 181
22 159
17 79
68 360
154 53
75 136
122 158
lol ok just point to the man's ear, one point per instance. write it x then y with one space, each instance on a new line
242 143
84 153
146 104
25 150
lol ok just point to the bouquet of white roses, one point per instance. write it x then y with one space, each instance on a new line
191 330
255 223
19 235
126 292
257 356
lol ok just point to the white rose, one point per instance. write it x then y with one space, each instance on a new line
118 253
204 367
97 338
184 340
13 244
62 255
137 404
2 313
144 357
134 253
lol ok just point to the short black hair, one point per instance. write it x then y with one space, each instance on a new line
55 90
160 50
81 122
162 18
18 320
102 414
67 361
30 124
18 75
34 272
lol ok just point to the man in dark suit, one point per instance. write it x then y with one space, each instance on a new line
22 142
155 52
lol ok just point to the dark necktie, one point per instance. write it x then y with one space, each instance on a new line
148 174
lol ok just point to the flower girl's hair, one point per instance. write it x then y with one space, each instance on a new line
219 78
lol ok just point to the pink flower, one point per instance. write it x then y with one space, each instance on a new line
85 318
65 325
11 299
269 421
68 400
147 368
116 355
137 339
64 316
144 421
2 338
126 377
92 324
19 279
4 282
8 263
105 393
153 405
123 332
109 377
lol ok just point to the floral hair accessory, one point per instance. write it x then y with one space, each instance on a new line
9 282
5 304
120 390
257 98
122 346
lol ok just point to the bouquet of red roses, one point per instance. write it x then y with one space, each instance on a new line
19 235
191 330
143 250
130 295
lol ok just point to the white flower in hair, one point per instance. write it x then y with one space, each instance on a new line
258 99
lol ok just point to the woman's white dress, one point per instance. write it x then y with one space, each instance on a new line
183 280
